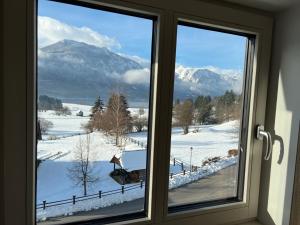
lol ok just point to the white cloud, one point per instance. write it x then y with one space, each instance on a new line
51 30
141 76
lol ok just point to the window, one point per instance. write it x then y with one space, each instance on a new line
93 113
207 164
25 165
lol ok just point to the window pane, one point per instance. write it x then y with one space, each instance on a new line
93 111
206 122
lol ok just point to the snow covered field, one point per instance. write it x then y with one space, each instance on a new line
54 183
65 126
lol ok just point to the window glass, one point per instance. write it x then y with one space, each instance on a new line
206 121
93 104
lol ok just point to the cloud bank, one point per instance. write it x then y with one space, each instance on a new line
141 76
51 30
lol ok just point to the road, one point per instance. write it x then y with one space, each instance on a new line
218 186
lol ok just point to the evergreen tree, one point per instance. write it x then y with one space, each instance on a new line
203 107
96 115
98 106
228 106
49 103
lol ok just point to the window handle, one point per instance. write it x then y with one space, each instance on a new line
260 135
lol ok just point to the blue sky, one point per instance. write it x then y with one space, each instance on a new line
198 48
195 47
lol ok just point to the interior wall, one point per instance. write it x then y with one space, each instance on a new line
13 108
282 118
295 216
1 119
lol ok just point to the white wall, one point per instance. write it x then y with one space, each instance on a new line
283 117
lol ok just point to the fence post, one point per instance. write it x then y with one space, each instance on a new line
182 166
122 189
44 205
100 194
174 162
171 175
183 172
74 199
141 184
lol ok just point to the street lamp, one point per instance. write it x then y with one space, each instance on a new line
191 159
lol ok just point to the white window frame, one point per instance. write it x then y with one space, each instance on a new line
168 12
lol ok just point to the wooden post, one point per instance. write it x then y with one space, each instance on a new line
100 194
141 184
171 175
183 172
44 205
182 168
174 162
122 189
74 199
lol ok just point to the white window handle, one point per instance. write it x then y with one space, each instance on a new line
260 135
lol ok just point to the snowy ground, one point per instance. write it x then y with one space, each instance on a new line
65 126
54 184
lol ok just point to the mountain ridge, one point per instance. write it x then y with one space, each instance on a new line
77 72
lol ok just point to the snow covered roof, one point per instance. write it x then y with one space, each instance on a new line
133 160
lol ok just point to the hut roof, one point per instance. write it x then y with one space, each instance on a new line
132 160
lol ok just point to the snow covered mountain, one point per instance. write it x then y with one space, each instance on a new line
77 72
202 81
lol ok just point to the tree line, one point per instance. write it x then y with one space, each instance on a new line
115 119
206 110
46 102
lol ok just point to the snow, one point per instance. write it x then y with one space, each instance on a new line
54 183
209 141
178 180
69 125
133 160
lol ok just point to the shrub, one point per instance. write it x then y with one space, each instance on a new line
45 125
64 111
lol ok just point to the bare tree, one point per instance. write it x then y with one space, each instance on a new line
81 171
116 119
183 114
45 125
138 121
64 111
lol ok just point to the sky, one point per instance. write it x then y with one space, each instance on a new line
132 36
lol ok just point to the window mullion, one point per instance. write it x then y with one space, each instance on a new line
163 114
